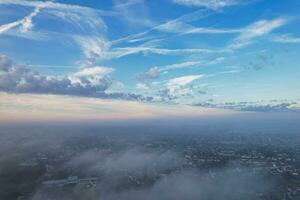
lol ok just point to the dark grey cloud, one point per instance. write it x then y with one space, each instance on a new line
87 82
261 61
19 79
268 108
128 96
272 106
166 95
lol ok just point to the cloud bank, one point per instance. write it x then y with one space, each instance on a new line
17 78
158 175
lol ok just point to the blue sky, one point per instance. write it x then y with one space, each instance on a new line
235 54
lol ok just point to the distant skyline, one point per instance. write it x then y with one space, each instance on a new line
122 59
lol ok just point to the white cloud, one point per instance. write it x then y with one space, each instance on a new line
286 38
198 30
177 90
179 82
76 15
100 49
92 75
93 48
180 26
162 51
154 72
177 23
142 87
55 5
183 80
255 30
211 4
133 12
91 71
295 106
25 23
176 26
7 27
230 71
261 27
88 22
180 65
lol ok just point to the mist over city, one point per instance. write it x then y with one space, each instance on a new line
149 100
178 159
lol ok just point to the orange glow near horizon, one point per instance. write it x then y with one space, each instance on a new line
33 107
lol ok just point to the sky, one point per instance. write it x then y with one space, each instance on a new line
124 59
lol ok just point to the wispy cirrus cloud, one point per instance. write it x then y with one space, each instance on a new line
133 12
165 26
7 27
211 4
179 65
256 30
94 45
246 35
154 72
286 38
106 52
122 51
76 15
27 21
24 24
86 25
179 27
56 5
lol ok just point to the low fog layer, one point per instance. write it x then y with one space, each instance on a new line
167 178
138 162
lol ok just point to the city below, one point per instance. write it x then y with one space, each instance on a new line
137 163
